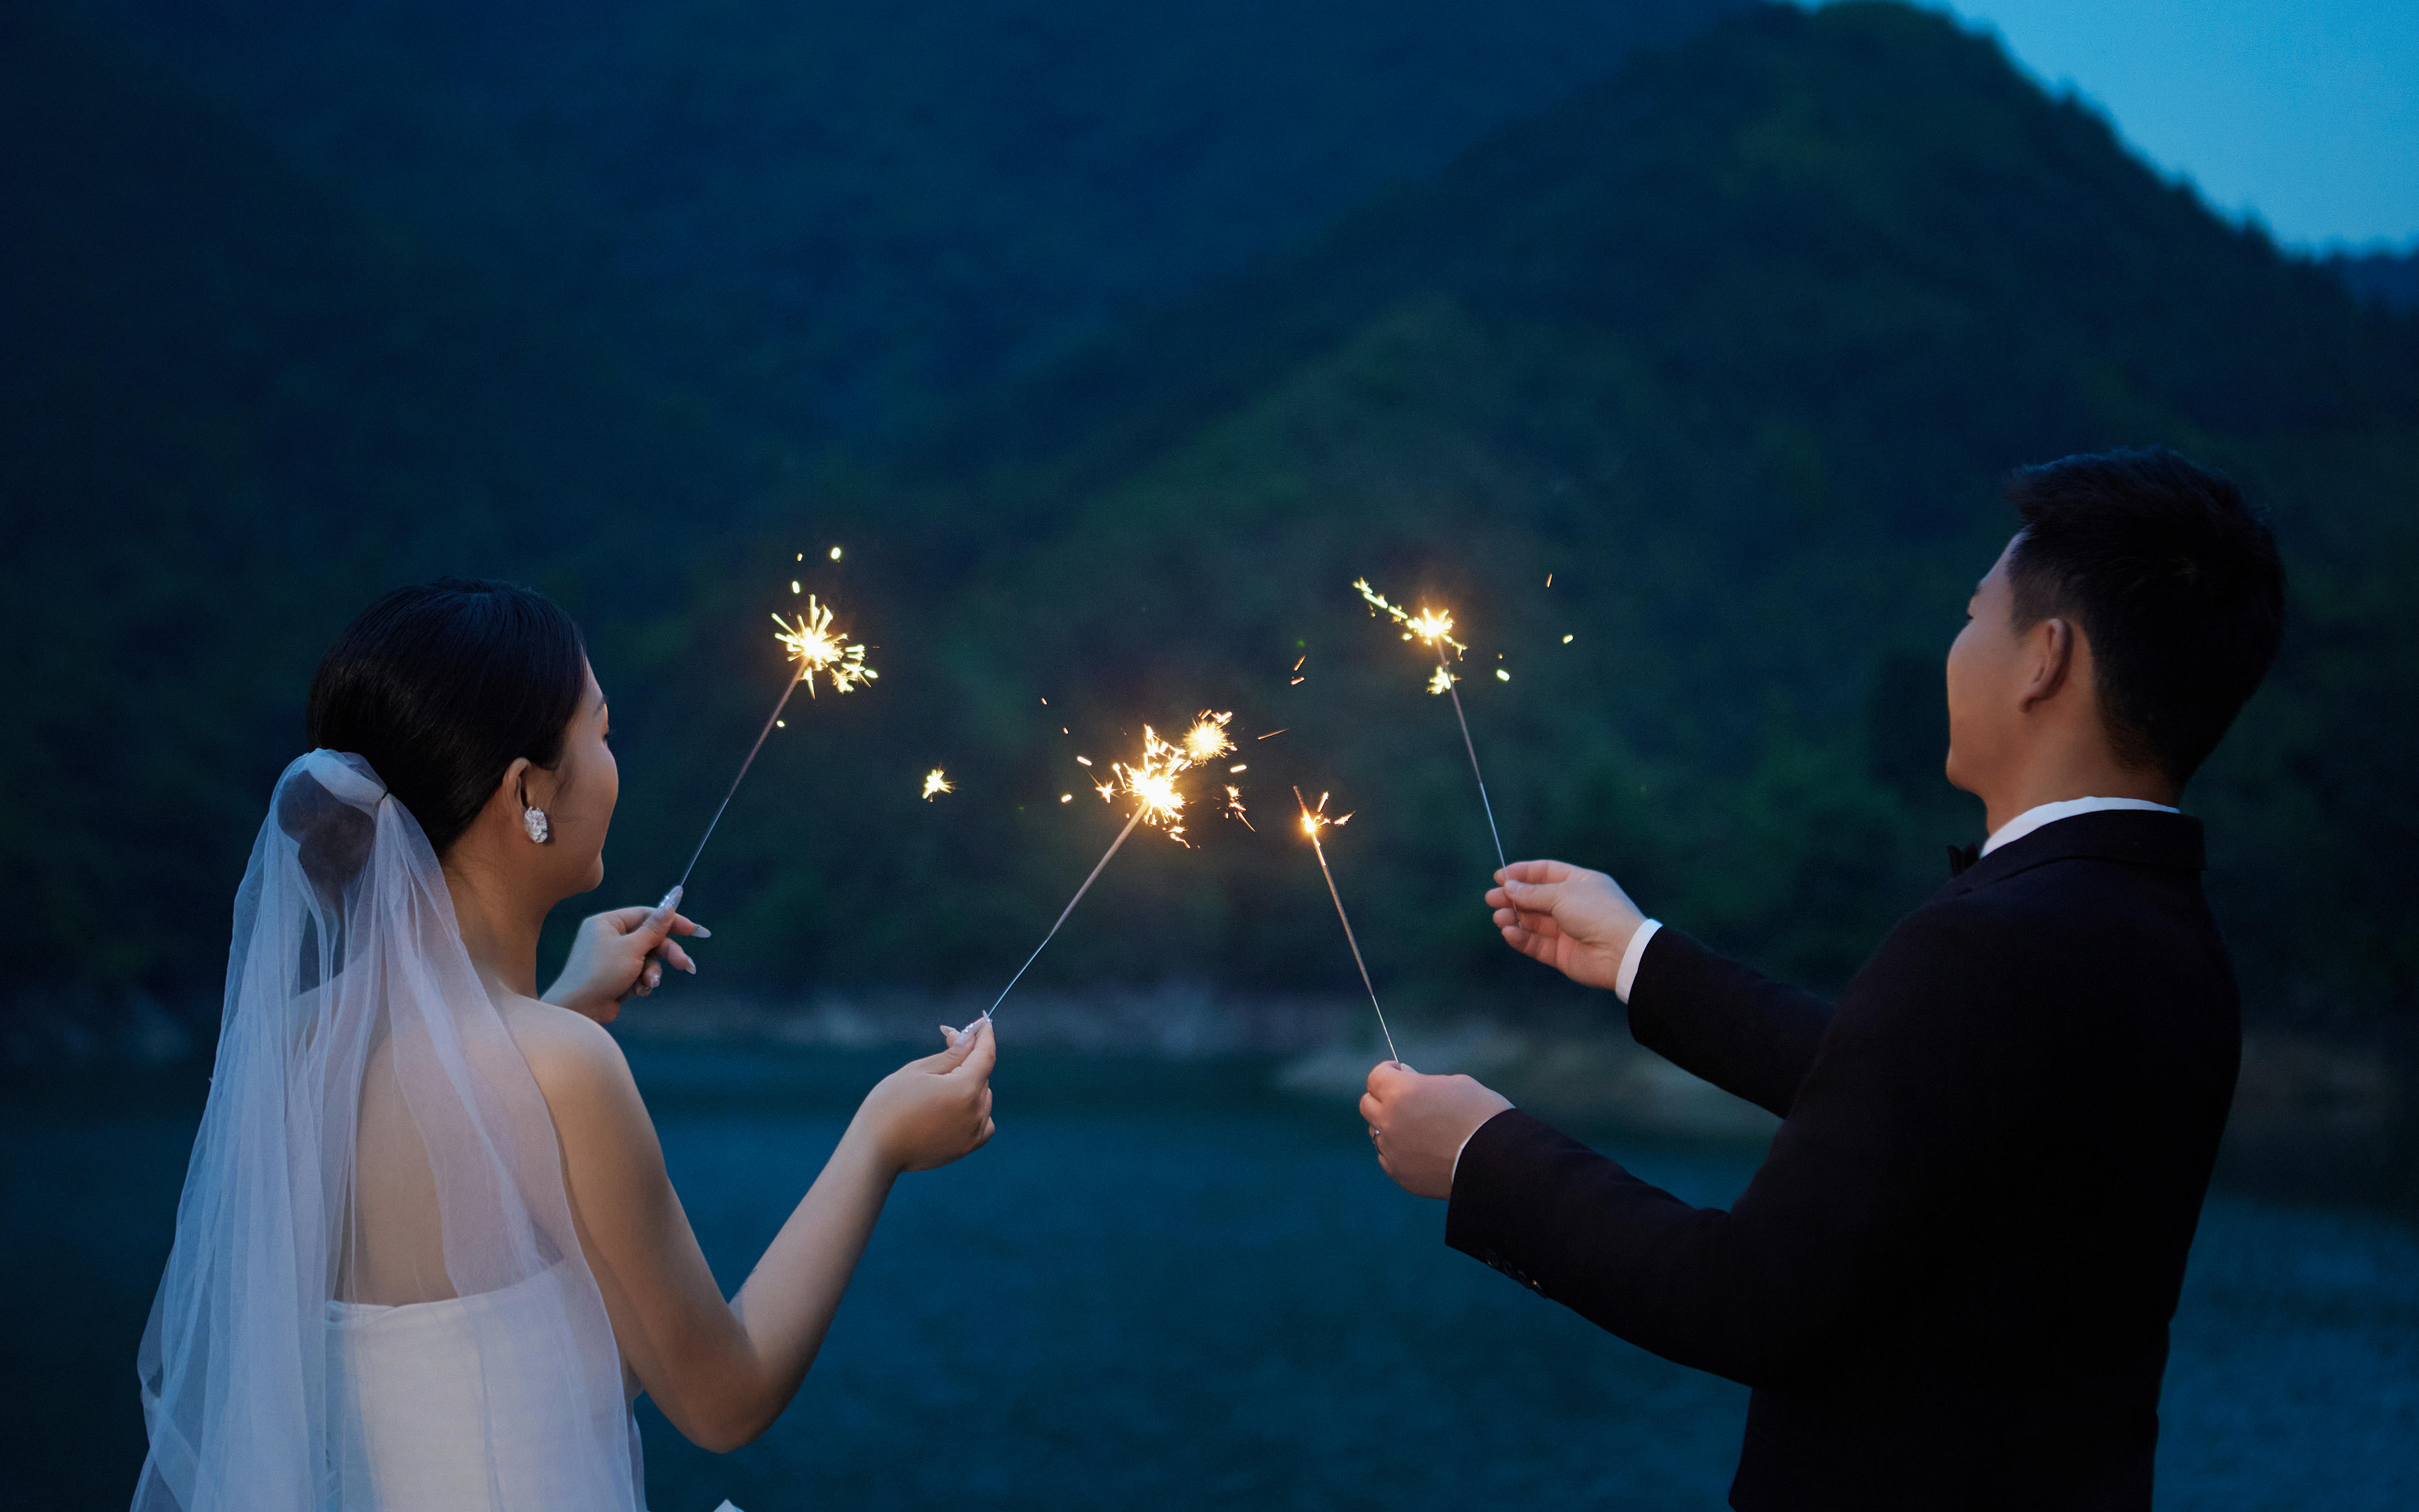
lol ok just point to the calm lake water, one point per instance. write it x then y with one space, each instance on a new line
1164 1288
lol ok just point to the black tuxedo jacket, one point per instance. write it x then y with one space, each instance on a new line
1951 1281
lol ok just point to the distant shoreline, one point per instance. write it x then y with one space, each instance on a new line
2313 1120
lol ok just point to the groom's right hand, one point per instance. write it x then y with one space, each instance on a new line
1576 920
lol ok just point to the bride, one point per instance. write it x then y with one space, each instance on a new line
427 1253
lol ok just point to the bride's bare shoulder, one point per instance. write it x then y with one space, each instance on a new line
578 1066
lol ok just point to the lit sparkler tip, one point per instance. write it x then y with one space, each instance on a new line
1431 626
1207 740
1235 807
813 648
936 784
1151 782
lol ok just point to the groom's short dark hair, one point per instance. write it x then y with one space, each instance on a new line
2173 577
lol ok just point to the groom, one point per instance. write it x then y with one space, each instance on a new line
1951 1281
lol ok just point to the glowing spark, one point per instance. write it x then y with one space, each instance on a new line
1151 783
1305 656
1549 579
1066 797
1084 760
1312 820
1234 807
1207 740
814 649
834 553
1566 639
1294 683
936 784
1239 766
1270 733
1433 626
794 585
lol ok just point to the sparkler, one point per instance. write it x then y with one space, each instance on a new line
1436 628
936 784
1151 783
812 648
1312 820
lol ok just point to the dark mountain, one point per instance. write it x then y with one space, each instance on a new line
1735 347
833 215
231 412
2388 278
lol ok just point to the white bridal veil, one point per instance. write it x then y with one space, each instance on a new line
377 1298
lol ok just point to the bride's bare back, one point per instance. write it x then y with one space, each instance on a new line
720 1370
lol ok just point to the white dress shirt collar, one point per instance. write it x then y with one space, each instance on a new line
2050 813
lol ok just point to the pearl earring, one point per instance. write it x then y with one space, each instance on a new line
533 820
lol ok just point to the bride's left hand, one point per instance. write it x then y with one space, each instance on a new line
621 954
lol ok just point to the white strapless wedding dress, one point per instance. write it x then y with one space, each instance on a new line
421 1432
348 988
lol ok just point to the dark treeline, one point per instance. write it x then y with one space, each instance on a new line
1733 344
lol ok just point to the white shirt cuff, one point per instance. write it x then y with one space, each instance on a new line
1627 977
1456 1174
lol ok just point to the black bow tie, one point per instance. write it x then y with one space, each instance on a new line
1962 856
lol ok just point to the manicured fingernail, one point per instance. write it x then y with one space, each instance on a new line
700 930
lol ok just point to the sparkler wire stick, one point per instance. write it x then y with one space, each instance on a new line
812 647
1466 744
1069 909
1310 827
1435 627
1152 786
769 719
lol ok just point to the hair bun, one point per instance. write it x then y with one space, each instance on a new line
329 809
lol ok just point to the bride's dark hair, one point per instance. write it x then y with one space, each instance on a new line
442 685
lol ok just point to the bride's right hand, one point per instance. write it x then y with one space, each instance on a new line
932 1111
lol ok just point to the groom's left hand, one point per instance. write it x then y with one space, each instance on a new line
1418 1124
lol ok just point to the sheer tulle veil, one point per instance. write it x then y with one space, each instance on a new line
347 967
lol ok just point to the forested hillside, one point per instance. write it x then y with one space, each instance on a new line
231 412
1735 347
1732 345
837 216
